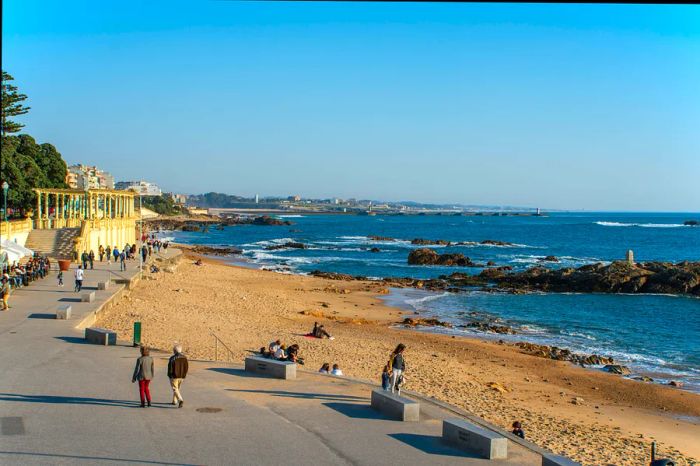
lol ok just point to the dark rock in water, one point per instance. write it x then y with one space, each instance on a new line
617 277
495 272
380 238
563 354
490 263
191 227
617 369
643 378
430 322
491 328
425 256
549 259
267 220
493 242
287 245
375 250
427 242
691 223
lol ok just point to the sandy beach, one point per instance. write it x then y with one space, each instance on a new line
591 416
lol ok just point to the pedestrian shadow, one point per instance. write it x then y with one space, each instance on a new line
38 315
302 395
70 300
73 400
431 444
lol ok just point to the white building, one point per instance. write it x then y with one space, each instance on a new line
142 187
86 177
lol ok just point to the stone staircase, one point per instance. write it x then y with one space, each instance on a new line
57 244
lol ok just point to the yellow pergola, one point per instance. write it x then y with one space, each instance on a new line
72 206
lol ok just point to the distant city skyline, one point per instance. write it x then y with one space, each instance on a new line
591 107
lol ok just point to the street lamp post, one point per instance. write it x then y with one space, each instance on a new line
5 188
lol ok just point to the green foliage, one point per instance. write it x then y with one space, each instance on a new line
163 204
26 165
11 106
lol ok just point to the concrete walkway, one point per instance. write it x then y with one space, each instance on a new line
66 402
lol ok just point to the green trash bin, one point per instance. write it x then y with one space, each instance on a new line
137 333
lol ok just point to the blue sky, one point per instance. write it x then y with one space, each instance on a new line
561 106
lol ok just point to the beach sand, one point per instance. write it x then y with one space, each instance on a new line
613 421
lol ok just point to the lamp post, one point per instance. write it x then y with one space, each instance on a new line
5 188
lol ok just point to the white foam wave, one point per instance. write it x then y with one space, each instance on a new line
291 216
415 303
642 225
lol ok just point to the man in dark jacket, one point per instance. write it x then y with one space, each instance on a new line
177 371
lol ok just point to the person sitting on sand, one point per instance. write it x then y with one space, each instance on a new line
518 430
281 353
198 262
319 331
325 368
386 377
336 370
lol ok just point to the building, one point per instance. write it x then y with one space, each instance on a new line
142 187
179 199
84 177
295 198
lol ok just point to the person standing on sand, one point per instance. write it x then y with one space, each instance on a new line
398 365
79 277
143 372
177 371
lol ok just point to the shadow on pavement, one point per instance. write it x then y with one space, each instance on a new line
28 454
70 300
355 410
231 371
430 444
37 315
308 396
75 400
76 340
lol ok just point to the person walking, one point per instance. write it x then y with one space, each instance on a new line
122 261
101 251
177 371
5 292
84 258
108 252
143 373
60 278
115 253
91 258
144 253
79 277
398 366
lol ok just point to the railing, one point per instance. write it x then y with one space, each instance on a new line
11 228
218 341
82 240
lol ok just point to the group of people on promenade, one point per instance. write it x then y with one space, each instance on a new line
16 276
145 371
128 252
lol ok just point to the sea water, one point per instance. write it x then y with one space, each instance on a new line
655 335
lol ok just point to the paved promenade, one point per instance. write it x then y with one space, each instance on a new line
66 402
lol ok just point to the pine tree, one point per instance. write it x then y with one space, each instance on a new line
11 106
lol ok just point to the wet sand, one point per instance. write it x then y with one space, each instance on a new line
594 417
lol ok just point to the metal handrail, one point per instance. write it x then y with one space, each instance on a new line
218 340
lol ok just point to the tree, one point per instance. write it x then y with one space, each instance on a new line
11 106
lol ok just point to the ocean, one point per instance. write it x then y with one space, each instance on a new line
654 335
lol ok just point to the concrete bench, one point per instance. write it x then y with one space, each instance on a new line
87 297
556 460
474 439
102 285
63 312
100 336
394 406
271 367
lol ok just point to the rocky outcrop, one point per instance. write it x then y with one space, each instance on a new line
490 328
429 242
375 250
617 277
549 259
215 251
429 322
691 223
493 242
267 220
425 256
563 354
335 276
380 238
287 245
